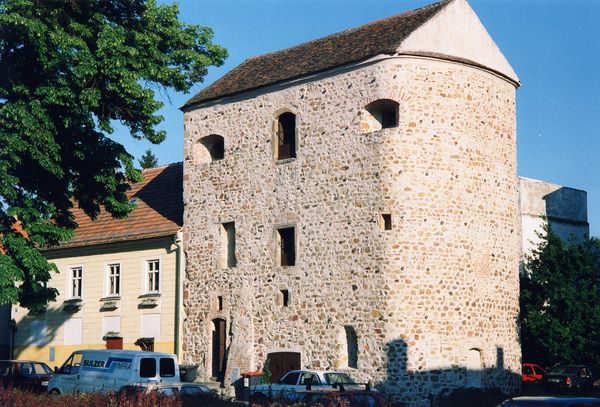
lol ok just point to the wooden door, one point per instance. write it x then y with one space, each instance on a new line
282 362
218 348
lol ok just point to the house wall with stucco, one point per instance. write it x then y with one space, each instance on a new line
564 209
71 323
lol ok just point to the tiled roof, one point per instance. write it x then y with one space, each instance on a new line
377 38
159 211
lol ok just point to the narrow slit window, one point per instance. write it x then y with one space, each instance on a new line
228 245
220 303
285 298
352 346
386 221
286 136
286 241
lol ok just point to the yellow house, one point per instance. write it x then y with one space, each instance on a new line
118 279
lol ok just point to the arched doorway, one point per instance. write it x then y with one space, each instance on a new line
218 348
474 368
282 362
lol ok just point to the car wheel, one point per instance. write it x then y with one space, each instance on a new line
55 392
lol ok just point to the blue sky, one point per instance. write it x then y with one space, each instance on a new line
553 45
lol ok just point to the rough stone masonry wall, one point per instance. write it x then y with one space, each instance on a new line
443 281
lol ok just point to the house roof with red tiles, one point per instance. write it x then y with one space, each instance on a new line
380 37
159 211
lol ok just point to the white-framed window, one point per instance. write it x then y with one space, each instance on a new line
113 279
152 276
76 282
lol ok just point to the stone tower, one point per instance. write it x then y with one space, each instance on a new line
351 203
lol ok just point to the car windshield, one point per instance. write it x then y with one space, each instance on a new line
28 369
336 378
564 370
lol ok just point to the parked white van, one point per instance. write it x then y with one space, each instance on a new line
108 370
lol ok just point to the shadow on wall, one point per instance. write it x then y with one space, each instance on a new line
38 331
441 387
566 211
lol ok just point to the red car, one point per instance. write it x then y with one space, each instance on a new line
532 373
25 374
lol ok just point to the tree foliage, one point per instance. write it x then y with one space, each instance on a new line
148 160
560 307
69 70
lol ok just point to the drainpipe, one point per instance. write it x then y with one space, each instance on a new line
13 329
178 261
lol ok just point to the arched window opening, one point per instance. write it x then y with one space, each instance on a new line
209 148
474 368
286 136
351 347
383 115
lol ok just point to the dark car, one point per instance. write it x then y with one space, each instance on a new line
551 401
569 377
342 397
181 389
25 374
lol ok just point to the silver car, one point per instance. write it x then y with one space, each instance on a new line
296 380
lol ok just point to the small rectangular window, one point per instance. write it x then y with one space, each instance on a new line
220 303
286 240
152 276
386 221
76 282
147 367
167 367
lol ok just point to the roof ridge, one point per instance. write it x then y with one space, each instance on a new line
348 30
337 49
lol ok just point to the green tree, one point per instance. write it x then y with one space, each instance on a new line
69 70
148 160
560 307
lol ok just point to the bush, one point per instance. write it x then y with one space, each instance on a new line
21 398
15 397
